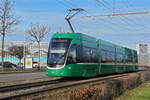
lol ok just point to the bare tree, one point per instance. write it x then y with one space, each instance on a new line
18 51
7 21
36 33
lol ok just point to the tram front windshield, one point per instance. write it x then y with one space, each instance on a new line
57 52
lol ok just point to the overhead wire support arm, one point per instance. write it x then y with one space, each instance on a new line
69 16
117 14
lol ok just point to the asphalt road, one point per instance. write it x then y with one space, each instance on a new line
21 76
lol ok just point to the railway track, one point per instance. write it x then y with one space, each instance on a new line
16 91
28 85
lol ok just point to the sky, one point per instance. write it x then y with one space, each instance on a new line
122 30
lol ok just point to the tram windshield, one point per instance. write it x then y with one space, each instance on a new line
57 52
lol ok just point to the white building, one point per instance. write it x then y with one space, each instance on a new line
143 56
32 48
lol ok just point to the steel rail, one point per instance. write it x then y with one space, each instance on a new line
28 85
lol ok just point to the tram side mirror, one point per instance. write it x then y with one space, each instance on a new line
69 59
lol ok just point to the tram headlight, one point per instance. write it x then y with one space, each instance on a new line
62 73
52 72
69 67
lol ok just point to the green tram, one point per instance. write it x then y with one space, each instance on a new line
80 55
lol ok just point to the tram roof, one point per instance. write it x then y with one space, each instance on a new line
84 37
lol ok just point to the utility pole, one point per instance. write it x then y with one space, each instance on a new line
24 54
69 16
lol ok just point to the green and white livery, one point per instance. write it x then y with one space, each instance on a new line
80 55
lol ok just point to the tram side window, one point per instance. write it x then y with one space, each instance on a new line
79 54
72 55
94 55
89 55
120 58
107 56
103 56
86 55
128 58
112 56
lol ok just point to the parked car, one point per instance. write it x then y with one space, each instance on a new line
9 66
20 64
35 64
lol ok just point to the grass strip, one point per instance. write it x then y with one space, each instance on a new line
140 93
